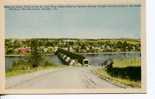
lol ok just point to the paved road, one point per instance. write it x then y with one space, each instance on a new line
68 77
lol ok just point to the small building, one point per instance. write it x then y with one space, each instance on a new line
24 50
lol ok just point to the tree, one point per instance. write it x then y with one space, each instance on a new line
36 53
124 46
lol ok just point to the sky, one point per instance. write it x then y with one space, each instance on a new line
74 22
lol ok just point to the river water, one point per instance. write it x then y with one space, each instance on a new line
94 59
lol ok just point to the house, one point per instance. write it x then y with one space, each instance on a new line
24 50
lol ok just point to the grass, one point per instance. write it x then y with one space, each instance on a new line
23 66
117 81
134 62
125 72
15 72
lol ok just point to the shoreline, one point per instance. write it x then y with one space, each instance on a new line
13 55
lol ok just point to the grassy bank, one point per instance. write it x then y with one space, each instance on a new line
15 72
117 81
125 72
23 66
133 62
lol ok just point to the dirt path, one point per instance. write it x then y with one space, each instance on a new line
68 77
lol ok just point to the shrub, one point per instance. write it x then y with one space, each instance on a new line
20 65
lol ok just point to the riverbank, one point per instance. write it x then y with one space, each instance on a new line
16 72
125 83
125 72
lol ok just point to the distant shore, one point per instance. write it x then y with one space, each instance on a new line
12 55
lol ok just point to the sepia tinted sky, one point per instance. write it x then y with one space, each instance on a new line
86 22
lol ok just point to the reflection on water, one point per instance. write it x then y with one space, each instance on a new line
94 59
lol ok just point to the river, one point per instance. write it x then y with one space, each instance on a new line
94 59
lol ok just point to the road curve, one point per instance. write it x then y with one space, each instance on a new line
67 77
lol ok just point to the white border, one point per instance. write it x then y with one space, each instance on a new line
88 91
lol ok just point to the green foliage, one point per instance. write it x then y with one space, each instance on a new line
14 72
102 73
77 45
21 65
126 68
36 55
131 73
10 51
121 63
123 71
47 63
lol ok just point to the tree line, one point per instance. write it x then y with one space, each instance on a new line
49 46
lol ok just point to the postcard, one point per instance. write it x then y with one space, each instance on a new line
72 46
